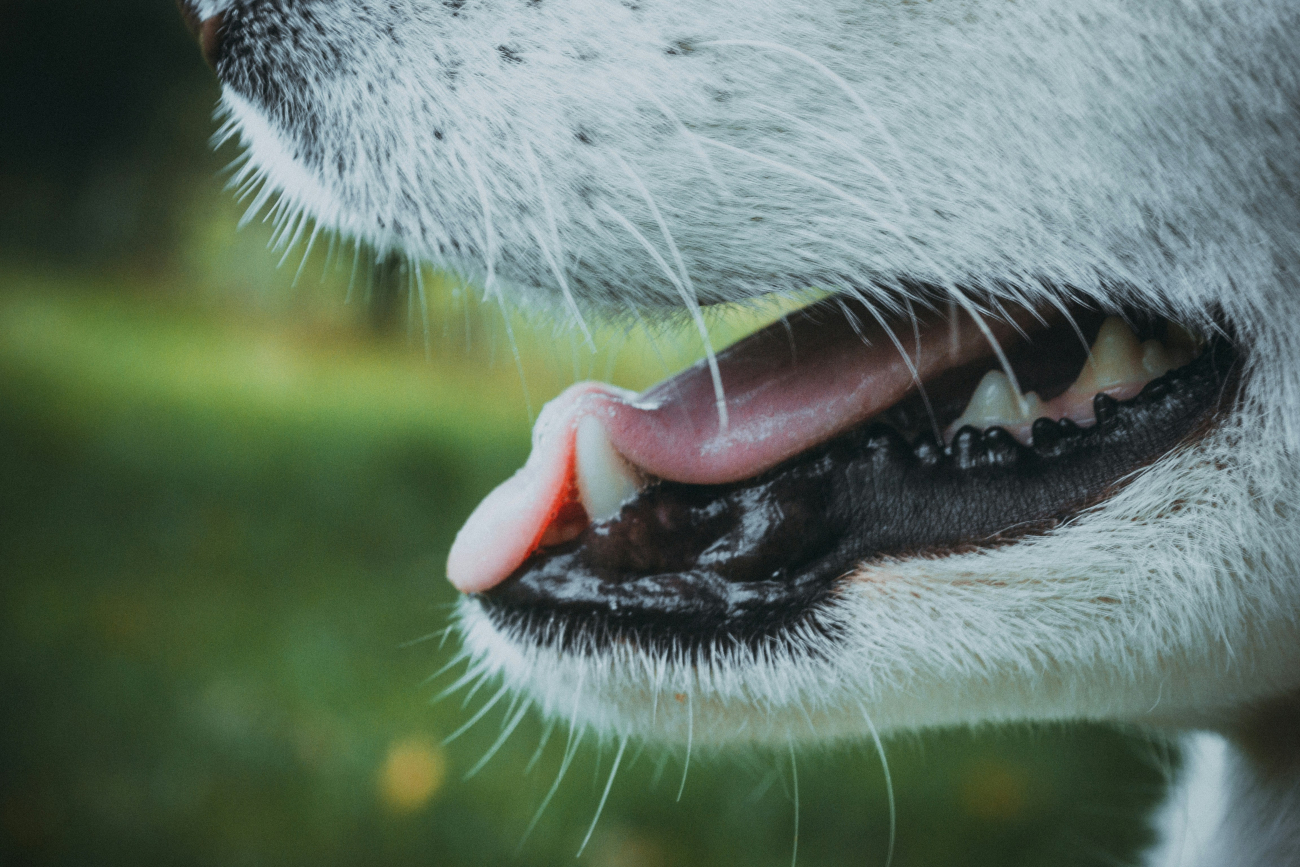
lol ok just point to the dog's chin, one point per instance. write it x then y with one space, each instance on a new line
936 645
1101 620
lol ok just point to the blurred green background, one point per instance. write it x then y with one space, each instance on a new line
227 488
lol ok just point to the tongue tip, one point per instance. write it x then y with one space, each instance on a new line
493 543
512 521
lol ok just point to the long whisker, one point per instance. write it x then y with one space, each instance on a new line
907 359
794 774
889 783
306 254
720 398
691 138
478 715
916 341
605 796
424 305
352 278
440 634
541 746
834 78
996 345
687 291
952 288
490 286
553 256
690 738
570 749
500 741
847 146
474 672
452 663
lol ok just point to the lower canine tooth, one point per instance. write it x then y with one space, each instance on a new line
605 479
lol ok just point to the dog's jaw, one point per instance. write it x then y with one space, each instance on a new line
1173 618
593 154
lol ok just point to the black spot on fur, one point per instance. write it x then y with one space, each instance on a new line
509 55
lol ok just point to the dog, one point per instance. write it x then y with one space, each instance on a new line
1032 456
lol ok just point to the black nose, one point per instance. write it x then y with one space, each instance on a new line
207 30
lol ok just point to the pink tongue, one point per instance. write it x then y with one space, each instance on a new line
788 387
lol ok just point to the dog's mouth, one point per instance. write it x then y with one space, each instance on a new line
679 519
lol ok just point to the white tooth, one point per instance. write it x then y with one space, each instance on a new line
995 402
605 479
1155 358
1115 359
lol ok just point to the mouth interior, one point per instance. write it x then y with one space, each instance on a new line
845 439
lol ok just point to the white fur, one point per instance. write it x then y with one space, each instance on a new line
1192 816
1143 153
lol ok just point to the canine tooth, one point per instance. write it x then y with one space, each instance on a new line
1156 359
1115 359
605 479
995 402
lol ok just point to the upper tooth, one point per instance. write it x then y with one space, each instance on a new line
605 479
995 402
1115 359
1155 358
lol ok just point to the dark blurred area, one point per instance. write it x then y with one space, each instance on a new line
227 488
105 109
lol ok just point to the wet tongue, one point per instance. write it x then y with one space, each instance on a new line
788 387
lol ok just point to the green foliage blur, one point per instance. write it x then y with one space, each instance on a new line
227 488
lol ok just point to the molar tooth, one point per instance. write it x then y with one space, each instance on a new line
605 479
995 402
1115 359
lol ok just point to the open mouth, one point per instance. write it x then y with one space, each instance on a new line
676 518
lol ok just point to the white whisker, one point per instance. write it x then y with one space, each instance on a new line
794 773
541 746
831 75
604 796
889 783
690 739
478 715
570 749
848 147
719 395
553 257
500 741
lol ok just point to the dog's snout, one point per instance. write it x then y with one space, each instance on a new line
207 29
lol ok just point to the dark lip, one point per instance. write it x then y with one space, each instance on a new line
689 568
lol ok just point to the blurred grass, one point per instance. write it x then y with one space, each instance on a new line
225 504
